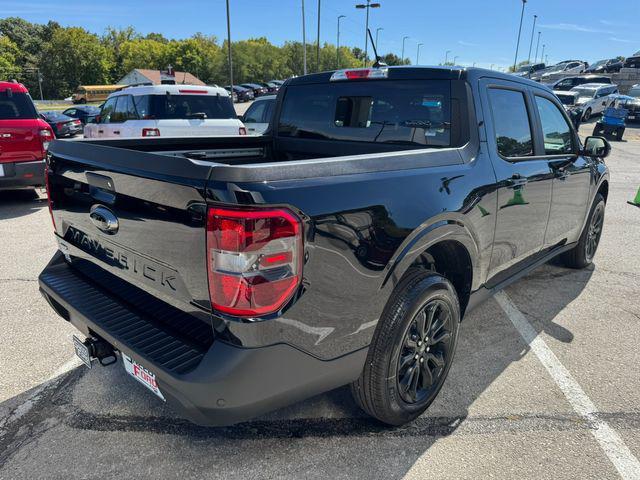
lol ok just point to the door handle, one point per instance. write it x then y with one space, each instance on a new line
100 131
517 180
116 132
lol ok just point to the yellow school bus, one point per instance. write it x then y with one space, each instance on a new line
94 93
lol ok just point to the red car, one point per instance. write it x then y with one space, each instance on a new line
24 138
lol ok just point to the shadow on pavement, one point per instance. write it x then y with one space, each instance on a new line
17 203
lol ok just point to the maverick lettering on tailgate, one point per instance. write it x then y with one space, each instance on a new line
132 264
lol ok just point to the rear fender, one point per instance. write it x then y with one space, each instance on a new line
426 236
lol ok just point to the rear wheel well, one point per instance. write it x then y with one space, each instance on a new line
451 260
604 190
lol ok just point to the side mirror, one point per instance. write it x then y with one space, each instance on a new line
596 147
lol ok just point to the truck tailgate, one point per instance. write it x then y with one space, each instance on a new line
137 216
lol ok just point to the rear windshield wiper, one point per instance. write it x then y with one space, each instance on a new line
200 115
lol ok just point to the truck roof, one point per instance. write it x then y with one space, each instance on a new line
412 72
13 86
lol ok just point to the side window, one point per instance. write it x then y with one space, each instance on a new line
107 110
558 138
255 113
119 111
129 108
142 106
511 123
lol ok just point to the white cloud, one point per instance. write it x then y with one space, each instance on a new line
621 40
467 44
572 27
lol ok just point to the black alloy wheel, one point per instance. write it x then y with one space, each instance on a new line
594 232
425 352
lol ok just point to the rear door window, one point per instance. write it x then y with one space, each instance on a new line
16 106
511 123
107 110
256 113
403 112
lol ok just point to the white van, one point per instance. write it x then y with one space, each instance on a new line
168 111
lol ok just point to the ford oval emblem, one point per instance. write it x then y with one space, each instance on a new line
104 219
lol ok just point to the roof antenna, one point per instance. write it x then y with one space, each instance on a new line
379 62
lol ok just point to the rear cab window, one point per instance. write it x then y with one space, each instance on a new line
403 112
14 106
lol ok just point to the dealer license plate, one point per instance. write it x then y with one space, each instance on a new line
82 351
140 373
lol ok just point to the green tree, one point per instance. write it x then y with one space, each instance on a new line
113 39
393 59
199 55
74 57
9 52
143 53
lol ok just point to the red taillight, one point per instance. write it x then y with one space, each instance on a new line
60 124
45 138
254 259
150 132
242 131
48 186
194 91
77 122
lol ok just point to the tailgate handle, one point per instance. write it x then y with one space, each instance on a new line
101 188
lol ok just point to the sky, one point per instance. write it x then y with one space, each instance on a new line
484 32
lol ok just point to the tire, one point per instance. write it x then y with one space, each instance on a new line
587 115
598 130
424 305
619 134
582 254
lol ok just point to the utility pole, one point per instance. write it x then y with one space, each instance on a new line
40 82
338 42
537 45
533 30
418 54
304 41
403 40
318 45
368 6
515 60
229 50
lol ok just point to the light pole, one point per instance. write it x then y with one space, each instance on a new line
403 40
537 45
454 59
318 45
491 67
515 60
229 50
340 17
418 54
533 30
368 6
304 42
377 32
446 56
542 54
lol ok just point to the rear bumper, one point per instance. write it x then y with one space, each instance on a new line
215 386
22 174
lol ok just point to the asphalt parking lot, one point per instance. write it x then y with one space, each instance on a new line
546 383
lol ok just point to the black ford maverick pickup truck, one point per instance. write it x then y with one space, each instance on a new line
235 275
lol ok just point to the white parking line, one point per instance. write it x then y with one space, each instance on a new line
614 447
